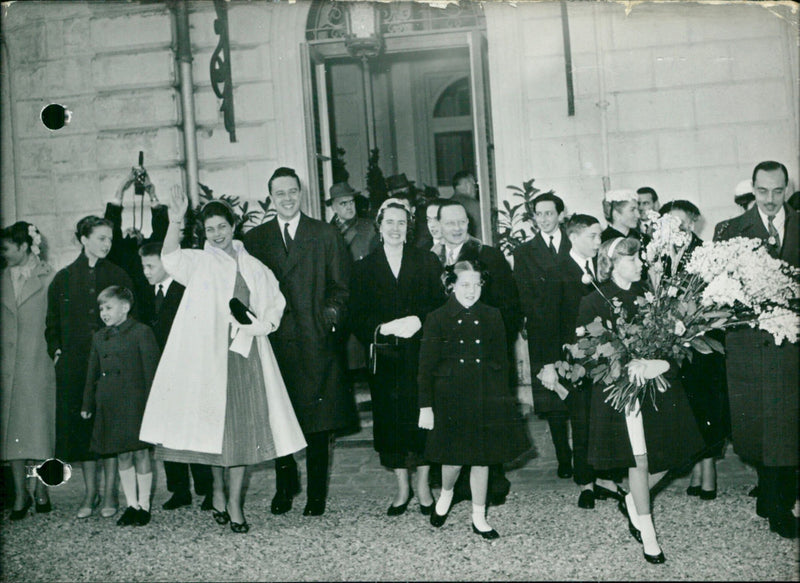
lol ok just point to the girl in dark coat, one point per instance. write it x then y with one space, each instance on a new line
464 396
72 319
122 364
392 290
646 441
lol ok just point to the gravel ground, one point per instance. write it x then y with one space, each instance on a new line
544 536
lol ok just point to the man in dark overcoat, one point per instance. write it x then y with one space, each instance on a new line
312 265
532 260
763 377
500 291
359 234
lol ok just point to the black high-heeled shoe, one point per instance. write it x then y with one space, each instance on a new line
601 493
22 512
43 507
635 533
398 510
221 516
655 559
240 527
708 494
426 510
437 519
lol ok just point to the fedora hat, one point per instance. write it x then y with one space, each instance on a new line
340 190
397 181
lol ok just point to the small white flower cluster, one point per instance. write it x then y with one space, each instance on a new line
783 324
36 237
666 234
621 195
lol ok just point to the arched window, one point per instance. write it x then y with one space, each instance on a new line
453 143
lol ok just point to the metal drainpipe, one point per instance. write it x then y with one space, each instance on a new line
602 101
183 54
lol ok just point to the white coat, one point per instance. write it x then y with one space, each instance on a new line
186 406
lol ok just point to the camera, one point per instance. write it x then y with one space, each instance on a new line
141 174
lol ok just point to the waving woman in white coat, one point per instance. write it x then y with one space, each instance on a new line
218 397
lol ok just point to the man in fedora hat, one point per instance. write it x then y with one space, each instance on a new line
358 233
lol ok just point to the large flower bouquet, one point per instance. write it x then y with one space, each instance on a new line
725 284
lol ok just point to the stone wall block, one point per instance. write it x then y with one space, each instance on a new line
676 66
254 142
121 149
206 107
647 25
254 102
553 158
766 141
757 59
647 110
549 119
201 25
79 192
71 153
247 64
742 102
629 70
154 108
28 44
134 70
542 36
694 149
34 156
739 22
230 179
249 23
131 31
546 77
54 31
35 195
632 152
77 36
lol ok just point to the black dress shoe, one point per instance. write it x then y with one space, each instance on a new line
761 507
708 494
426 510
240 527
655 559
693 490
208 502
315 507
220 516
488 535
754 491
128 517
43 507
290 487
142 517
586 499
22 512
564 471
437 519
178 500
601 493
398 510
635 533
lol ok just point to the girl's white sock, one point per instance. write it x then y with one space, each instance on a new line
127 478
479 518
651 546
145 482
443 504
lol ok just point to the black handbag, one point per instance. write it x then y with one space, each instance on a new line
384 349
240 311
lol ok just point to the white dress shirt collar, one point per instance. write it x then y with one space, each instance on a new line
779 221
164 283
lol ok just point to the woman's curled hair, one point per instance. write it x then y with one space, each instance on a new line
451 272
612 250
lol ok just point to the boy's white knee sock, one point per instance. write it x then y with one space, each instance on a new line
127 478
145 482
443 504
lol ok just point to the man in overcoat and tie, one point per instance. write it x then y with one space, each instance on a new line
312 264
763 377
532 260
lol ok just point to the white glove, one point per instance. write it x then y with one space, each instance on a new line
642 369
426 418
548 377
401 327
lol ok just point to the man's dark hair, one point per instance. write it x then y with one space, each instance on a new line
548 196
461 175
118 292
578 222
648 190
281 172
446 203
681 205
771 166
153 248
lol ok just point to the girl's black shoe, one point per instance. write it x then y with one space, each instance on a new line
633 530
398 510
694 490
489 535
708 494
43 507
22 512
242 527
438 520
426 510
222 517
655 559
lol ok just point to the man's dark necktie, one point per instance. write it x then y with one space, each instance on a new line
774 242
159 298
287 238
589 269
552 247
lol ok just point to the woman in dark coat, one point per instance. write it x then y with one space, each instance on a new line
464 395
72 319
646 441
392 290
704 376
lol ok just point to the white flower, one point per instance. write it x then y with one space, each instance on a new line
621 195
672 291
580 331
680 328
783 324
36 237
586 279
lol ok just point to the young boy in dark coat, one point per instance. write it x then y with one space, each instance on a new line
122 364
167 295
